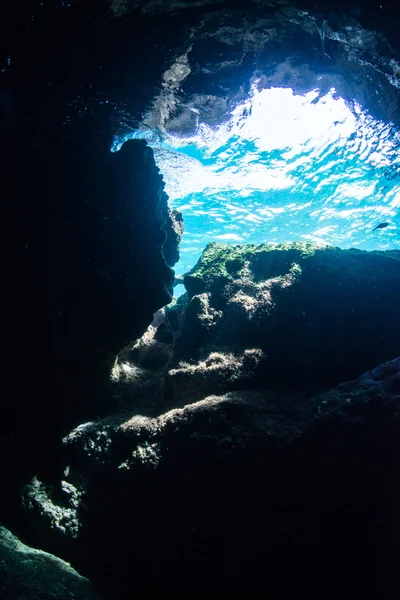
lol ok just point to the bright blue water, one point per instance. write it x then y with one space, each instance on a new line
285 167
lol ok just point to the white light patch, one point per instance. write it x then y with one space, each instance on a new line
279 119
395 202
356 190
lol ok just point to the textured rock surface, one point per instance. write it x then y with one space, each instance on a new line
246 484
319 316
30 574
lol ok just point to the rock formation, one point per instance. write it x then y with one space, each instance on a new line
243 438
235 442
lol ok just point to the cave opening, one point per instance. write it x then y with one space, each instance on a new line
281 167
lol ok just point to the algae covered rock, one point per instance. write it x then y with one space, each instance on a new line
318 314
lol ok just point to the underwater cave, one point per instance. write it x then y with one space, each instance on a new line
208 231
280 167
275 153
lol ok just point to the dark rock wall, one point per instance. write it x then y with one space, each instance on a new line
84 228
103 239
247 490
108 221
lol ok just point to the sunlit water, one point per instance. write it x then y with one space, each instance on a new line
285 167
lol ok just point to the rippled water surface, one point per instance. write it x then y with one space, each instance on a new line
285 167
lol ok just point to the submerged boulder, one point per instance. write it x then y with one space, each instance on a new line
320 315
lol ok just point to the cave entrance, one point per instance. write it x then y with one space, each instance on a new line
281 167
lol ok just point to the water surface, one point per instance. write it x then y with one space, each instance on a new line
284 167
